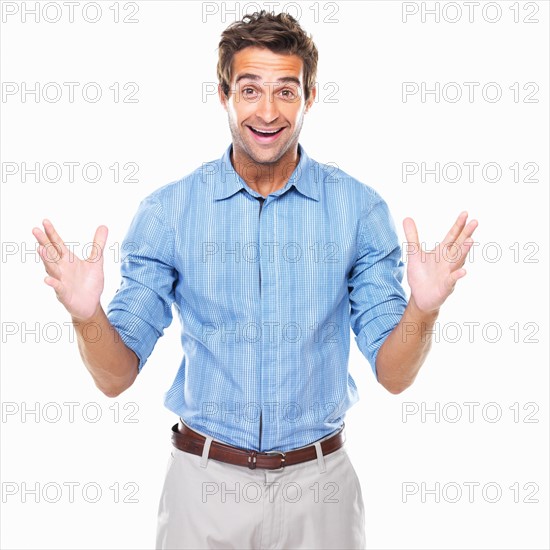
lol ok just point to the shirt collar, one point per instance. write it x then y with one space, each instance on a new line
228 182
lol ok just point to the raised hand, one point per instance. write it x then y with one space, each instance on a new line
78 284
432 275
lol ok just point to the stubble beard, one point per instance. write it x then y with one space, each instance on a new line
243 145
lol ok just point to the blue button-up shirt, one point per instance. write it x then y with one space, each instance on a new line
266 294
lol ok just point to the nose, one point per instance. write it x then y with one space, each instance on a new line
266 108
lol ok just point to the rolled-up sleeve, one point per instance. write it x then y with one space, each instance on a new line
377 298
142 306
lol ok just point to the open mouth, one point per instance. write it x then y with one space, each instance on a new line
265 133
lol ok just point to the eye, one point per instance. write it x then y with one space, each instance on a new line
288 93
248 91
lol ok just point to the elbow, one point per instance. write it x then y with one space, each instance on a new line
113 385
112 392
114 389
395 389
395 386
394 379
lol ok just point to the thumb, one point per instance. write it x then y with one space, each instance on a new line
98 246
411 234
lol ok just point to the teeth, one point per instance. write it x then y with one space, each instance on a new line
263 131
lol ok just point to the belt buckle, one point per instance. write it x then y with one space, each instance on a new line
252 459
283 457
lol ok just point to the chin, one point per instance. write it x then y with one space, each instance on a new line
266 159
264 156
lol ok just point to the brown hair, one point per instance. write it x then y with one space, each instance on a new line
279 33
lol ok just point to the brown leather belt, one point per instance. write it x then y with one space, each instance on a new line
187 440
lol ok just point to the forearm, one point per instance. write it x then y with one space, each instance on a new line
405 349
111 363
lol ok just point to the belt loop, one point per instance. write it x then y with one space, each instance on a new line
320 458
206 451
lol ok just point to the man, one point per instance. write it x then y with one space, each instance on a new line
268 257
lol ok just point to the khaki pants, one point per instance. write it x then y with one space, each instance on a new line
210 504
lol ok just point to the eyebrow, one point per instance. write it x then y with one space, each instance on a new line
283 79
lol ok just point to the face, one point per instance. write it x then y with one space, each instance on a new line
266 105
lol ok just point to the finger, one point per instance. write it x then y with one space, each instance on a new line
55 284
411 234
465 248
100 238
54 237
456 254
467 232
456 229
456 275
40 236
49 256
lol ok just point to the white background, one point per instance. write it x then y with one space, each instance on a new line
366 52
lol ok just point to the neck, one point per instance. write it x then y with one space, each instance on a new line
265 178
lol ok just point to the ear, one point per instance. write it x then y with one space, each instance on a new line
311 99
222 96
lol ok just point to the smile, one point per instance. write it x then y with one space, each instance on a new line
265 133
264 136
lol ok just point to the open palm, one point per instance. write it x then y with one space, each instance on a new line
432 275
78 283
